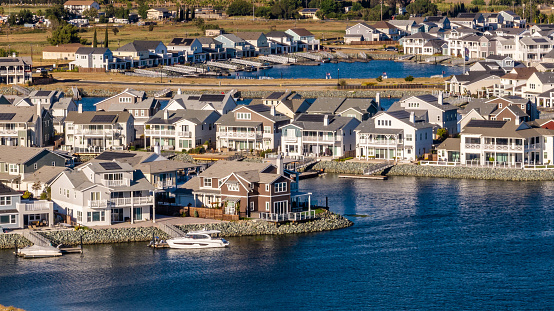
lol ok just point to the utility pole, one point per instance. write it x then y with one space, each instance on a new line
381 10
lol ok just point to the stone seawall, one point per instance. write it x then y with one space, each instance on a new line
471 173
9 240
343 167
325 221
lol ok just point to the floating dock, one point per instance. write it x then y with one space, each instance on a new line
380 177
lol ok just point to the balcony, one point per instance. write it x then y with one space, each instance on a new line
183 134
370 142
117 202
97 132
35 206
494 147
160 132
290 139
165 184
116 183
98 203
5 132
321 139
247 135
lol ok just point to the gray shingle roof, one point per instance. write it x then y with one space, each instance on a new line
86 116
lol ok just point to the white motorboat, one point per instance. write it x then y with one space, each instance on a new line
37 251
199 239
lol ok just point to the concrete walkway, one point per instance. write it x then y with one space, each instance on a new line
176 221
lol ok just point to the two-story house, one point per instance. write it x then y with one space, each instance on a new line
319 135
250 127
305 39
189 48
133 101
256 39
99 58
102 193
393 136
431 108
77 7
16 70
281 42
361 32
286 103
235 46
25 126
388 31
181 129
258 190
97 131
212 48
146 53
15 213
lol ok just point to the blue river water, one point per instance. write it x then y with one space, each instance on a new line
416 244
356 70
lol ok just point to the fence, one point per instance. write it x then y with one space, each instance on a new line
393 86
211 213
373 42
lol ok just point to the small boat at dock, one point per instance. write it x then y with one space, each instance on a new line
37 251
198 239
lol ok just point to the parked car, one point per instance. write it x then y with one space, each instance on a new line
391 48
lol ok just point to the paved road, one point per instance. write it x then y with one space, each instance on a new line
191 85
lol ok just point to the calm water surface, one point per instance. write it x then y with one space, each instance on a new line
369 70
423 244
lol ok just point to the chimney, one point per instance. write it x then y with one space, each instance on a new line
166 114
325 120
80 108
517 121
179 91
412 117
378 99
272 110
14 55
441 101
157 148
279 162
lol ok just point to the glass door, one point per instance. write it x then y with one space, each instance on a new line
137 213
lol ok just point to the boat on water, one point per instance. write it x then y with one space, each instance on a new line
198 239
37 251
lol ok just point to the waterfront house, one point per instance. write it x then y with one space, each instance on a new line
247 189
281 42
287 103
25 126
212 48
15 213
182 129
97 131
189 48
512 82
77 7
476 109
133 101
361 32
235 46
393 136
319 135
18 162
16 70
433 109
388 31
252 127
305 39
506 143
256 39
441 21
222 103
145 54
102 193
418 44
449 150
472 82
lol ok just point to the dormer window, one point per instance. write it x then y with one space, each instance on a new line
125 100
243 116
207 182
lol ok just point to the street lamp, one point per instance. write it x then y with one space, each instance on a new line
338 76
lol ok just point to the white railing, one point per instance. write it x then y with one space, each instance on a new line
240 134
116 183
160 132
98 203
8 132
298 216
380 142
127 201
536 167
503 147
35 206
290 139
97 132
165 184
470 163
321 139
183 134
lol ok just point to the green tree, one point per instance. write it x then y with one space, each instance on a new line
328 6
239 8
422 7
143 10
356 6
409 78
2 11
192 13
94 40
442 133
106 38
90 13
478 2
63 34
115 30
109 10
187 14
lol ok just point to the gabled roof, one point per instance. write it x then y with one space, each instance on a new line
194 116
182 41
18 154
383 25
79 2
94 51
86 117
326 105
315 122
302 32
545 77
520 73
277 34
231 37
139 45
253 35
145 104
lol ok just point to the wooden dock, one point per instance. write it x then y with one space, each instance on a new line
379 177
309 174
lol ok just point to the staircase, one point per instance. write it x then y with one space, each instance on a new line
379 168
36 238
76 94
171 230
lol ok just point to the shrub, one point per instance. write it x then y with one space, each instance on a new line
27 195
342 83
196 213
379 78
409 78
151 27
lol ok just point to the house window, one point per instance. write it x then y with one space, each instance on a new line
207 182
53 163
79 216
532 86
7 219
267 187
96 216
35 166
267 206
280 207
14 168
281 187
267 129
243 116
233 187
408 137
5 201
95 196
125 99
142 113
